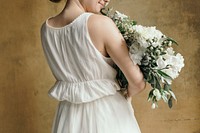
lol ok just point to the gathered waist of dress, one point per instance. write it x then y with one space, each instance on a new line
83 91
86 81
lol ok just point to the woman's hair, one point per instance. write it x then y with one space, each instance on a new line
55 1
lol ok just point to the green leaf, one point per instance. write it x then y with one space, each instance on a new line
162 53
150 95
165 99
170 102
167 87
173 41
150 78
158 86
134 22
153 82
106 11
164 74
151 92
172 94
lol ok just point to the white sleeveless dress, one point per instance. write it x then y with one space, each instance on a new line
85 83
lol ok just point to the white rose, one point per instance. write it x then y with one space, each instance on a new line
171 72
167 57
136 58
134 48
147 33
179 62
136 53
157 34
176 63
161 63
170 51
143 42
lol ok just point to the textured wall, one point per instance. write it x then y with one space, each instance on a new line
25 77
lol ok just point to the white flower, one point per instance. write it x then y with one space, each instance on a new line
136 53
120 15
130 30
169 81
175 63
154 105
157 94
178 62
155 44
136 58
171 72
161 63
148 33
166 57
170 51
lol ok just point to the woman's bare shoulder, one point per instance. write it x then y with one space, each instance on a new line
103 26
99 17
101 21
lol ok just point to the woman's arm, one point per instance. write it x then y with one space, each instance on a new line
104 30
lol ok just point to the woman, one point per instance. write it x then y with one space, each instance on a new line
80 46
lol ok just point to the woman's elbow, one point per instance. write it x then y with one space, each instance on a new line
142 85
136 88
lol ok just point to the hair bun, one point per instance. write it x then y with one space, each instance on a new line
55 1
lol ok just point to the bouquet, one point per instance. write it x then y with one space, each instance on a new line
153 52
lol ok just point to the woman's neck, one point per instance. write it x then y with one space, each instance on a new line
73 7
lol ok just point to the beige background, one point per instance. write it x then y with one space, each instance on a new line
25 76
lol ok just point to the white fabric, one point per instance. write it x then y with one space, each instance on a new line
85 86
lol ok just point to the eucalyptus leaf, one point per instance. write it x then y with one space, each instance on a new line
157 81
170 102
167 87
164 74
172 94
150 96
134 22
173 41
165 99
162 53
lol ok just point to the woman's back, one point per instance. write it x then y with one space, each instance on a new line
76 64
71 53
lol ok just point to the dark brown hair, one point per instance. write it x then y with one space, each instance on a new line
55 1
